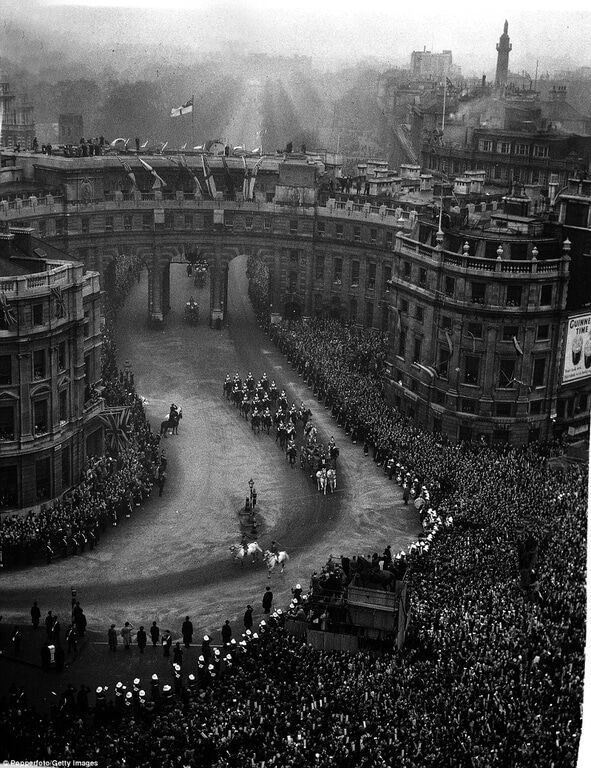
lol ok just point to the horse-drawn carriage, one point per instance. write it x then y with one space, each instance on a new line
191 312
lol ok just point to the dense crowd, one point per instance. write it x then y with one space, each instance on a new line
112 485
492 671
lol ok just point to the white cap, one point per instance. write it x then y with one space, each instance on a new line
206 638
136 681
166 688
128 695
99 689
155 677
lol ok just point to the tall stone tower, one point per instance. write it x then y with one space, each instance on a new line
503 47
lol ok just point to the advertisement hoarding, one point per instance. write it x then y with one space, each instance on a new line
577 353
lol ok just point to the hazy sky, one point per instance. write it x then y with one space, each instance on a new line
387 29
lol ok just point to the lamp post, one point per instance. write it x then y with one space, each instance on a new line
251 486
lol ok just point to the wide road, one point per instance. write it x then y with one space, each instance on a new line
172 557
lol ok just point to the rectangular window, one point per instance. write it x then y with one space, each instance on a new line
338 271
61 356
37 314
5 370
357 234
40 416
368 314
423 277
485 145
443 362
468 405
546 295
267 223
446 323
353 310
39 371
42 228
339 231
506 372
504 147
540 151
169 220
293 282
373 235
6 424
127 223
293 226
188 221
404 305
108 224
420 313
471 369
385 319
319 273
402 344
522 149
417 349
371 276
513 296
59 227
354 274
320 228
248 222
503 409
475 329
85 225
147 220
64 405
535 407
407 270
294 256
86 323
450 287
388 239
509 331
387 277
543 332
539 372
478 293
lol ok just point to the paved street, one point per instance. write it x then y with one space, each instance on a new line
172 558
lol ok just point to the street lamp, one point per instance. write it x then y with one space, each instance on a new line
251 486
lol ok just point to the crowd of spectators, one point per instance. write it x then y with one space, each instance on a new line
112 485
492 671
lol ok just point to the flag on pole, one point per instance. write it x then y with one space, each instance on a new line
182 162
185 109
129 172
209 180
517 346
158 180
229 180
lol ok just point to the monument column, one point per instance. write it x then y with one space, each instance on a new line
275 287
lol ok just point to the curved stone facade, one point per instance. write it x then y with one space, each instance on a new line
477 330
49 360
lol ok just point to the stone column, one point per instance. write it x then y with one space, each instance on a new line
155 313
166 288
217 289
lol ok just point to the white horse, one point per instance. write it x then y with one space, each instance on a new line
272 559
321 478
331 478
251 550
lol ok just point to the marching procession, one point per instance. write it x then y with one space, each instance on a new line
268 408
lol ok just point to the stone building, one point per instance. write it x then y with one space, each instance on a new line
477 316
17 127
50 342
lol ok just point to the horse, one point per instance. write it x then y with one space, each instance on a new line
291 455
228 386
272 559
255 422
251 550
245 408
331 478
303 415
321 479
266 422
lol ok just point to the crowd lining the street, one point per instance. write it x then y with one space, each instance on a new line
112 485
492 671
